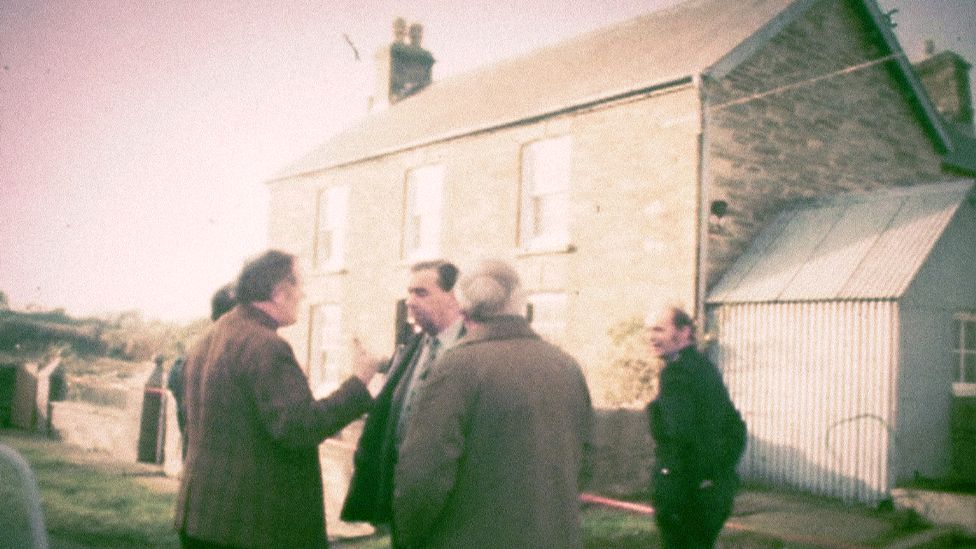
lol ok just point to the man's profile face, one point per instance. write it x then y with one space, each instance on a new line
289 295
664 340
427 303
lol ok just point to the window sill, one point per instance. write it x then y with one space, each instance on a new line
546 249
331 270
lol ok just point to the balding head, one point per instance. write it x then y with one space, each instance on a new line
492 289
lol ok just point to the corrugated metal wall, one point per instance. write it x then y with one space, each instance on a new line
816 383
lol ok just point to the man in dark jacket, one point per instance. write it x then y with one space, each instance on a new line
221 302
251 476
496 451
433 307
694 480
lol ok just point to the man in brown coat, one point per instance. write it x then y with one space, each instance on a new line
251 476
495 449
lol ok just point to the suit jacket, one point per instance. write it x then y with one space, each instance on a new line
251 476
495 451
370 495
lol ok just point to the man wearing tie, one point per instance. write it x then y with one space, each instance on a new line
432 305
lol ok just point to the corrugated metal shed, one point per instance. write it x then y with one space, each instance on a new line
857 246
809 337
815 383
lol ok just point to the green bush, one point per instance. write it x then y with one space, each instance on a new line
630 374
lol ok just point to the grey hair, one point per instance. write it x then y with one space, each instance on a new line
491 289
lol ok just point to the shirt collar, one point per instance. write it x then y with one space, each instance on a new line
450 335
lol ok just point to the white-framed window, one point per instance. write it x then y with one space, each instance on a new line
422 217
330 233
325 347
964 353
546 167
549 311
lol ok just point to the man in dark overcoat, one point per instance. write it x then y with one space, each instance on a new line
251 476
694 478
433 308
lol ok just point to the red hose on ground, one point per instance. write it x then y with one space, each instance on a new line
617 504
643 509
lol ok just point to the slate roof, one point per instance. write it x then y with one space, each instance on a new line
852 246
658 50
648 51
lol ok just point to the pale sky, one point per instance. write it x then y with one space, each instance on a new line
136 135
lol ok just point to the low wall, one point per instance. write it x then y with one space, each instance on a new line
623 453
94 427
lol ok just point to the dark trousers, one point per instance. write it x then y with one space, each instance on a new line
689 515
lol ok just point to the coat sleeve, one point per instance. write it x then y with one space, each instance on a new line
285 406
432 448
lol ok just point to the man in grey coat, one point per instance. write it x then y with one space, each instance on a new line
495 452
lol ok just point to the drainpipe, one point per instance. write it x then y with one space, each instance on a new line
701 248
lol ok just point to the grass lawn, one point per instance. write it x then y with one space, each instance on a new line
92 501
602 529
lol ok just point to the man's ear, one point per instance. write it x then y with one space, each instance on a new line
277 293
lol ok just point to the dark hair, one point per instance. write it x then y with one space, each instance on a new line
259 276
447 273
222 301
681 319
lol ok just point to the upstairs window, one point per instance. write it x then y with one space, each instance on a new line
422 220
325 347
964 353
544 223
330 235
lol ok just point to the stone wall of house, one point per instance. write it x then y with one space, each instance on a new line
633 221
808 116
794 121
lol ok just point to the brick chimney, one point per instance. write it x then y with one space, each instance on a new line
945 76
403 68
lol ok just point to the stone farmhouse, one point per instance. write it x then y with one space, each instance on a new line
617 169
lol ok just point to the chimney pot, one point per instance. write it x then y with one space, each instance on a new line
403 68
399 30
945 77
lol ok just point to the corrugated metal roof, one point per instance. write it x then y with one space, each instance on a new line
663 47
852 246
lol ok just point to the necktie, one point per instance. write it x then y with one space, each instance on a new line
416 380
432 349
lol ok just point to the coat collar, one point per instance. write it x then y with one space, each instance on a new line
257 315
499 327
